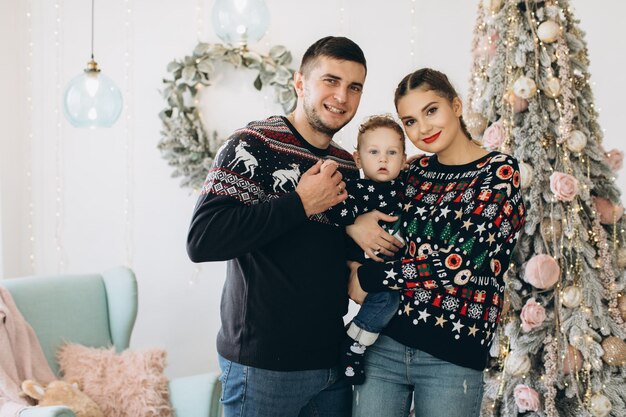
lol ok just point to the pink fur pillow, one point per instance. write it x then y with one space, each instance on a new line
128 384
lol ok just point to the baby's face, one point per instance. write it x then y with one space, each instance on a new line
381 154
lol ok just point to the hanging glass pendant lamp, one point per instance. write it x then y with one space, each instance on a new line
240 22
91 99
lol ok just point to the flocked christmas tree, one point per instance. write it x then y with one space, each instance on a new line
560 349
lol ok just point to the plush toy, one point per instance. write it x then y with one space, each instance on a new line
62 393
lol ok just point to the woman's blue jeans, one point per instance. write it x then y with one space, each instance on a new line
395 373
255 392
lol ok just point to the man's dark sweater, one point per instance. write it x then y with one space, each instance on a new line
286 288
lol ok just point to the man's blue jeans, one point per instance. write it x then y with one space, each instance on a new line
255 392
395 373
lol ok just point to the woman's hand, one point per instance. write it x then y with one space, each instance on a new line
355 292
412 158
372 238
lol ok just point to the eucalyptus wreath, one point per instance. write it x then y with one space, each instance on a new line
185 143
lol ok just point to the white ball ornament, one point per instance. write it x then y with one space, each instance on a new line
572 296
548 31
526 174
577 141
600 405
517 364
492 5
524 87
552 87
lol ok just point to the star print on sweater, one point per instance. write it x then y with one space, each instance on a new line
461 224
365 195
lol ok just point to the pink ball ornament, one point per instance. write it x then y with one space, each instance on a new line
542 271
573 360
609 213
615 159
519 104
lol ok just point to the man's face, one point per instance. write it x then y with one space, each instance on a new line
330 93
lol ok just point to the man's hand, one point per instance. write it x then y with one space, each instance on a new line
320 189
355 292
372 238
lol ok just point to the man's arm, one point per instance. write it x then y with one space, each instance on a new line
223 228
235 215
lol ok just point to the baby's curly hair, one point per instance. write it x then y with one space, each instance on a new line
377 121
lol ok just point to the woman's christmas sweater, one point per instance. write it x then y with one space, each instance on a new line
365 195
461 224
286 279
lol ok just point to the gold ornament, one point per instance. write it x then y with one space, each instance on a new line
600 405
517 364
621 304
580 82
572 296
551 229
573 360
518 104
552 87
614 351
476 124
621 257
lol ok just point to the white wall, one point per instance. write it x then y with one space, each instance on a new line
83 175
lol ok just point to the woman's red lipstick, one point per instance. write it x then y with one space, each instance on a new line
432 138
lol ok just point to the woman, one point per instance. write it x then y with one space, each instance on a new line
461 219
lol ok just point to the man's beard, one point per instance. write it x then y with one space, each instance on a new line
316 122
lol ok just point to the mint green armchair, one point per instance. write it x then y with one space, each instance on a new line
98 310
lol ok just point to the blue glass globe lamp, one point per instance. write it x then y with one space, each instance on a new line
240 22
92 99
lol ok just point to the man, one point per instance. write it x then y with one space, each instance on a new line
261 209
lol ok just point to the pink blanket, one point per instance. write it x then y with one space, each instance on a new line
21 357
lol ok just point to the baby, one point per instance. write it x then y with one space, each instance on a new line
381 154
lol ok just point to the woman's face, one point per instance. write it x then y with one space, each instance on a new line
431 122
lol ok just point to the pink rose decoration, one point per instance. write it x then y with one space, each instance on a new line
526 398
608 212
532 315
563 186
542 271
615 159
494 136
